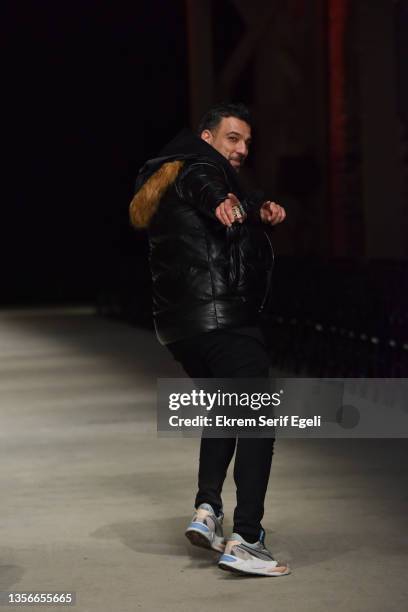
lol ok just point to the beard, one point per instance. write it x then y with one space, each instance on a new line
236 163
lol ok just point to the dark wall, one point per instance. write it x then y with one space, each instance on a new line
91 89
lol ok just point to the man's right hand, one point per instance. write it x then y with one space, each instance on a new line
225 211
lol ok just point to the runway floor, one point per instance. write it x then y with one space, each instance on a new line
92 501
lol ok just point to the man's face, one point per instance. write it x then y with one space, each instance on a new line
231 138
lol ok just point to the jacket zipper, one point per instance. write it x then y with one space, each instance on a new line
236 263
235 260
269 276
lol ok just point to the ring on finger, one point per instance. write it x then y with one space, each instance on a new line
236 212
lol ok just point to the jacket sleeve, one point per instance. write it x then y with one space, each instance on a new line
203 186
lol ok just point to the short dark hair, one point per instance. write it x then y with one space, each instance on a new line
215 114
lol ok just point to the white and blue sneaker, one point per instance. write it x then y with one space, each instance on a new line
205 529
241 557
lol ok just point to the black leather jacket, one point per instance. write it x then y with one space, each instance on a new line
205 276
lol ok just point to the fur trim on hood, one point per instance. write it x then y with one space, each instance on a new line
146 200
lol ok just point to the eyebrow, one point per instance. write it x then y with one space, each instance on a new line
233 133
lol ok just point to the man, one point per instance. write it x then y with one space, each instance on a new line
211 263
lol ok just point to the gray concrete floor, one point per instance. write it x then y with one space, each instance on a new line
94 502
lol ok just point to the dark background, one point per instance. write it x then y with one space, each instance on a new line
92 89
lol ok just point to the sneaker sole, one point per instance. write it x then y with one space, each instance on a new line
197 538
235 568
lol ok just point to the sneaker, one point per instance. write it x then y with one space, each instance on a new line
205 529
242 557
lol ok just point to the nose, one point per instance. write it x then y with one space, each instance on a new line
242 148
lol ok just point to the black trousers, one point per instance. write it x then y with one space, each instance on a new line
225 354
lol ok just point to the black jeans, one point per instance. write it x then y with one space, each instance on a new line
225 354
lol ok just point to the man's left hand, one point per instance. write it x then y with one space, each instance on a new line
272 213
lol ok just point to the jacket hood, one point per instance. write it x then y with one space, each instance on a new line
159 173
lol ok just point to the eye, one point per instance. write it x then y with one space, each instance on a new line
233 138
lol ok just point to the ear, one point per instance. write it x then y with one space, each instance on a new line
207 136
